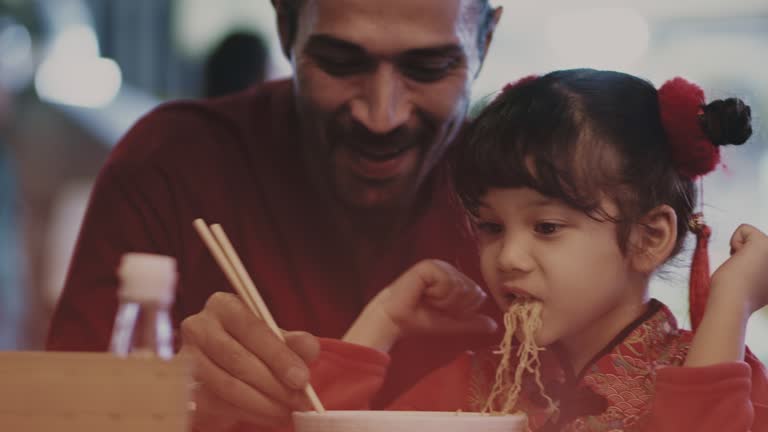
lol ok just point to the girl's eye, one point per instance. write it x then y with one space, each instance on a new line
547 228
489 227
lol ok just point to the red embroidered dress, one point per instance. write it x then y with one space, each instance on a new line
614 391
635 384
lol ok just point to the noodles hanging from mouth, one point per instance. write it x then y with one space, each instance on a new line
525 316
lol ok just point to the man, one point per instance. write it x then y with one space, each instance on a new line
330 185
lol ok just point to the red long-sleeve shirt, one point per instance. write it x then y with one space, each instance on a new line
636 383
237 161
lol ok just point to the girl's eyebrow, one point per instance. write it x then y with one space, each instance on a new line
538 202
543 202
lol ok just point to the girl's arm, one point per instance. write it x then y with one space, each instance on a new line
347 376
739 288
718 389
723 397
720 336
431 297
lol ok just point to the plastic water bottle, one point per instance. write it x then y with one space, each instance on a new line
143 323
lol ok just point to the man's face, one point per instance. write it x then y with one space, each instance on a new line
382 87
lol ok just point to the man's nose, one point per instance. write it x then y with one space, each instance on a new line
383 103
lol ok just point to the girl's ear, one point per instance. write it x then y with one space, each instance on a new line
653 239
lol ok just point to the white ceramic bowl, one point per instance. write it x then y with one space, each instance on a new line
406 421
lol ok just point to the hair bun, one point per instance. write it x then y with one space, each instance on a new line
727 121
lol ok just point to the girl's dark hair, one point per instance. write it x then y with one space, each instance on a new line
582 135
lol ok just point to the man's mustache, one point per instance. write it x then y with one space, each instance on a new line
359 137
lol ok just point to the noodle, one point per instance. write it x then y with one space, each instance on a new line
507 386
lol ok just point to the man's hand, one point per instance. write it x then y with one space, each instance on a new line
244 373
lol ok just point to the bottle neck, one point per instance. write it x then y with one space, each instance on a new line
143 330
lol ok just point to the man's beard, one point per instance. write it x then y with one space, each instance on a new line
377 147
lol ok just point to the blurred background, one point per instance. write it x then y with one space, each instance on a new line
75 74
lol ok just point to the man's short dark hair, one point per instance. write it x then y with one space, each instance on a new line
290 9
485 26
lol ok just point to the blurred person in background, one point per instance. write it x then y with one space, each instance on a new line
11 294
238 62
330 184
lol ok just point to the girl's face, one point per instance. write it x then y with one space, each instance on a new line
535 246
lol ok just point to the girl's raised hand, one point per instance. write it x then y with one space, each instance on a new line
744 276
430 297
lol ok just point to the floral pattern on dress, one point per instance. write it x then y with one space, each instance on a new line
613 393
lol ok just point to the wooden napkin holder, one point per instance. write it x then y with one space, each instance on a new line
92 392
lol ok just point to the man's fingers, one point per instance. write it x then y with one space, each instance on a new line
258 338
214 413
242 397
303 344
243 368
228 354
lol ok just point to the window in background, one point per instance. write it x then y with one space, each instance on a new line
160 46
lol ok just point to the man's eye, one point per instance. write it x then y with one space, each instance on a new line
547 228
427 71
489 227
343 66
424 74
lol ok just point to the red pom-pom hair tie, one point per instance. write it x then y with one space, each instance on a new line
681 105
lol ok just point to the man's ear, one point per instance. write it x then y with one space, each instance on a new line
287 22
652 239
489 35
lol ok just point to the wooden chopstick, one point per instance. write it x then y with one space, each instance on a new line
242 273
225 255
223 262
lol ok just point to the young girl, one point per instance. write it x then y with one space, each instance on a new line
580 185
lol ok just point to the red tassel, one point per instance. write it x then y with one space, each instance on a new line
699 281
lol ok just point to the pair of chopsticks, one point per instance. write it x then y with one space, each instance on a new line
224 253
